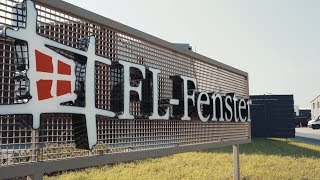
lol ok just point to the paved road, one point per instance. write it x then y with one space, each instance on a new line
308 135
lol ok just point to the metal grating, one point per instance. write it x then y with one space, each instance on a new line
56 137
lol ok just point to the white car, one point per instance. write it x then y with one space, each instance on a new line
314 123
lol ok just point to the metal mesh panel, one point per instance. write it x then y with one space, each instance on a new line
57 135
224 81
128 135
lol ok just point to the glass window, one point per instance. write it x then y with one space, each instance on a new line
318 104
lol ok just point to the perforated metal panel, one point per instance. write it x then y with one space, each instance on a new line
56 137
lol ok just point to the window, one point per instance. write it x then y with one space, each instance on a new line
318 104
313 105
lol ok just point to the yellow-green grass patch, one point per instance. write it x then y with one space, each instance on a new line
261 159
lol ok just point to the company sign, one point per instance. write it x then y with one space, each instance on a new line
54 88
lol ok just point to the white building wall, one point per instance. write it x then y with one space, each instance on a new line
315 107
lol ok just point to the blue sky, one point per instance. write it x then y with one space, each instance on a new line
276 41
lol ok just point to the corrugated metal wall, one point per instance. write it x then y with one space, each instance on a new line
272 116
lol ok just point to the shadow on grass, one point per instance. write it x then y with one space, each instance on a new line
272 147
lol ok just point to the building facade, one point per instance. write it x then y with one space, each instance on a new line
302 116
315 107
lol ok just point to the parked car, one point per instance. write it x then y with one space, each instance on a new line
314 123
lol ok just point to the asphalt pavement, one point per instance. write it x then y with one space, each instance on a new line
308 135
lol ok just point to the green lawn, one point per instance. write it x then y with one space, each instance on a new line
261 159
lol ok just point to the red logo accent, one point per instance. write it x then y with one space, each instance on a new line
64 68
44 64
44 89
63 87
